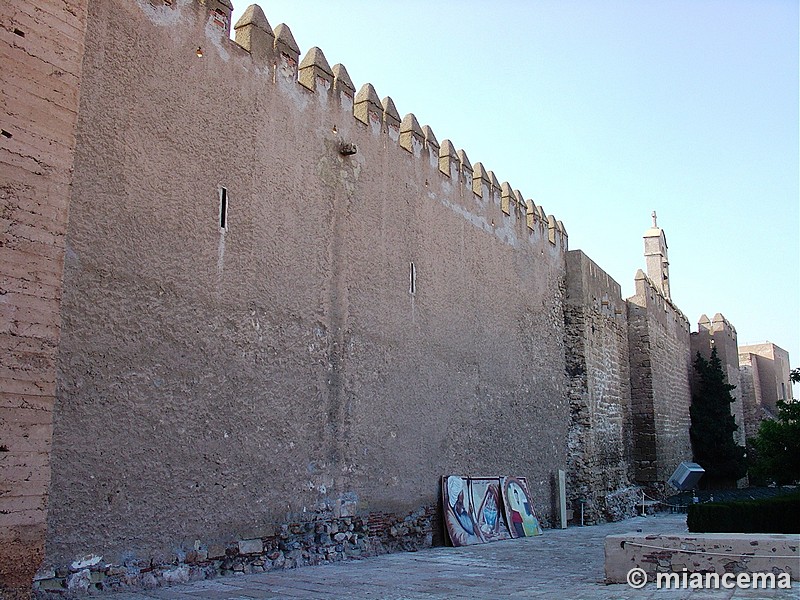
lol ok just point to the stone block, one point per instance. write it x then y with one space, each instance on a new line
255 546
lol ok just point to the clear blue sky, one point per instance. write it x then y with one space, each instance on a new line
603 112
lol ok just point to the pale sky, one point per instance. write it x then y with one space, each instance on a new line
603 112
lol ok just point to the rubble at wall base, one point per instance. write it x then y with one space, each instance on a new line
322 541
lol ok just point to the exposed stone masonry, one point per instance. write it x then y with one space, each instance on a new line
319 541
658 338
599 442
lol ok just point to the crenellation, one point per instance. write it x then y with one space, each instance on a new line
343 87
287 51
315 71
530 214
552 229
220 12
465 168
481 184
367 107
431 145
495 186
720 323
506 198
411 136
542 214
254 33
519 204
391 118
448 160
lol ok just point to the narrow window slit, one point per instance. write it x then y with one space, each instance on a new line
412 280
19 32
223 208
6 134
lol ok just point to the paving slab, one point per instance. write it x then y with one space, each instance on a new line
561 564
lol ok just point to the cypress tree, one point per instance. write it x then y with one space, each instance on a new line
713 424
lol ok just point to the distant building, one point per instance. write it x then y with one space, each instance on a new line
764 377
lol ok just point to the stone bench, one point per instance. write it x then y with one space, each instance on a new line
701 553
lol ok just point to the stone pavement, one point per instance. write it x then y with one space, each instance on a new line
561 564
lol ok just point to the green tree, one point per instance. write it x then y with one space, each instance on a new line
713 425
774 452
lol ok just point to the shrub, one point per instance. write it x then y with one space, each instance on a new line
780 514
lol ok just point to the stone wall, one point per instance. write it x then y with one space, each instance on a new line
41 45
600 437
750 381
764 377
658 337
373 313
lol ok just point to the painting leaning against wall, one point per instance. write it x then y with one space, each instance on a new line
521 516
487 505
487 509
458 518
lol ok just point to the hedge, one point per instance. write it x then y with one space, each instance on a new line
780 514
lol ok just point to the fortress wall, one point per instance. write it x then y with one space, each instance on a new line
41 47
658 337
215 384
600 438
752 398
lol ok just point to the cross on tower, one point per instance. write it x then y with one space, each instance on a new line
655 224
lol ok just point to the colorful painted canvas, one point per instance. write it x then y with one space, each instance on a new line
458 513
487 503
521 518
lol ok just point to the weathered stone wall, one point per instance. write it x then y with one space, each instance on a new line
41 46
658 338
750 380
363 323
773 373
764 376
720 334
600 437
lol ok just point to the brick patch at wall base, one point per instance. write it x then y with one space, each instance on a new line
321 541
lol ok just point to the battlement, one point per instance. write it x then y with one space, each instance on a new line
718 324
274 55
588 283
648 294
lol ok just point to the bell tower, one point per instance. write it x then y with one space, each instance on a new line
655 254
